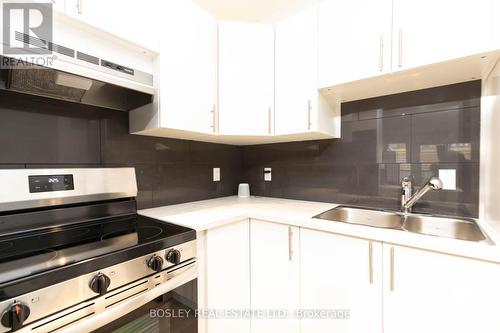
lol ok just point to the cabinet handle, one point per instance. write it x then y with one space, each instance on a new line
309 109
370 261
392 268
269 121
381 54
213 118
290 250
400 49
79 6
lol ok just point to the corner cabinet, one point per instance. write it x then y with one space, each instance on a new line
300 108
340 273
246 78
432 292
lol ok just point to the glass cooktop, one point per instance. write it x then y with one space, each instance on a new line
33 252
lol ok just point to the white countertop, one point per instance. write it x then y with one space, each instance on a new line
207 214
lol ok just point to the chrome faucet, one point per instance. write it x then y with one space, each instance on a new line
407 200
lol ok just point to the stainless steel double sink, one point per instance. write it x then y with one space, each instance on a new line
457 228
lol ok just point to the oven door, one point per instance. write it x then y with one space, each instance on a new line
173 312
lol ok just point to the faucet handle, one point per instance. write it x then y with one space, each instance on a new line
406 180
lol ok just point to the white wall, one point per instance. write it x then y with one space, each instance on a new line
489 199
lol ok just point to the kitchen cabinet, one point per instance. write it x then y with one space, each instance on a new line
354 40
228 276
432 292
300 108
246 78
340 273
427 32
133 20
187 81
274 253
188 68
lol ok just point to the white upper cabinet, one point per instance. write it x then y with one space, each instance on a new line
299 106
431 292
246 78
186 79
188 67
341 273
275 259
427 31
354 40
133 20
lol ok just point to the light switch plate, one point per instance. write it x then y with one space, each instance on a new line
216 174
267 174
449 179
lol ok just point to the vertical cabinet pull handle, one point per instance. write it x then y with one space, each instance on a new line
309 109
370 261
269 121
79 6
381 54
290 249
392 269
400 50
213 118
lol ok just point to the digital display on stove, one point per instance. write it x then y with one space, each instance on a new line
51 183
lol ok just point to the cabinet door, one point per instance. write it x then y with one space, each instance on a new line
427 31
246 78
341 273
296 72
188 67
228 275
431 292
354 40
132 20
274 253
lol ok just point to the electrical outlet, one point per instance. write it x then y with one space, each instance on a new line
449 179
267 174
216 175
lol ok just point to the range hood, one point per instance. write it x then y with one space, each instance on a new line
78 77
48 82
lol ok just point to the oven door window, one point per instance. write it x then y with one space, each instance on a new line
173 312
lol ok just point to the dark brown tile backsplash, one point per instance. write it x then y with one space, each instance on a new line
383 139
37 132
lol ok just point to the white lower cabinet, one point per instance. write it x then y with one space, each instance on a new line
432 292
341 284
275 285
228 276
339 274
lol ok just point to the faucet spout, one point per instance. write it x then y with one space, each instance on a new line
434 184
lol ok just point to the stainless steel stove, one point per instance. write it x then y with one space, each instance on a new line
76 256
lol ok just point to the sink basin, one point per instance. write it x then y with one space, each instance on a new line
444 227
369 217
449 227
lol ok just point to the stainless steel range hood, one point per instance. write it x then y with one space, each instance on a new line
84 67
57 84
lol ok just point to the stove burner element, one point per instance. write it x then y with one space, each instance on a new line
150 232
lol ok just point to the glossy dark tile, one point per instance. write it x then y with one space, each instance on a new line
446 136
383 140
37 132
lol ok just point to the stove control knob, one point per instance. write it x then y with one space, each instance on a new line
174 256
155 263
15 315
100 283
